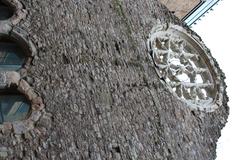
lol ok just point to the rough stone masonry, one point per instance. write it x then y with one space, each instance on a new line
102 96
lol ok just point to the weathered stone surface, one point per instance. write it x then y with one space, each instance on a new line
102 96
19 127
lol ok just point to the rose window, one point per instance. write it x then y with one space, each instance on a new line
186 68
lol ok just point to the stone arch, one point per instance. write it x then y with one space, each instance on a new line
23 93
16 49
12 81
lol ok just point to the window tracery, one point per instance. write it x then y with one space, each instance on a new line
185 66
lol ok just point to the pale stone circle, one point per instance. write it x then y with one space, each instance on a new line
182 63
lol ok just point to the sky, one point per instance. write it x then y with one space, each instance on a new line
220 30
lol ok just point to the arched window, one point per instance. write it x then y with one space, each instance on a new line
6 12
12 56
13 107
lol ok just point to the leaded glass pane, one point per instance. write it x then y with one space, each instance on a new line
13 108
11 56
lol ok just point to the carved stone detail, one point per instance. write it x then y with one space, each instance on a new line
182 62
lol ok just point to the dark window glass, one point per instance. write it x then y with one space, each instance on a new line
5 11
13 108
11 55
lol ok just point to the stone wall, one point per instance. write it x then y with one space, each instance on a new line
103 98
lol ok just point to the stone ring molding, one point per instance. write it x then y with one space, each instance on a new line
184 64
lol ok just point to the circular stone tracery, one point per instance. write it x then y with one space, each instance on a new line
186 68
